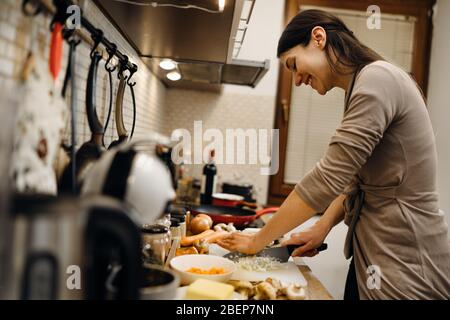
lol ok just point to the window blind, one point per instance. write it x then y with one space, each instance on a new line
314 118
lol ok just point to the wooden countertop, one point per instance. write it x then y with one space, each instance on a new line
316 289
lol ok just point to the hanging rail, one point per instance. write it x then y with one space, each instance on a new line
58 8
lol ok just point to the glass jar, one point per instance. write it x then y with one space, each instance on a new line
156 242
164 221
175 230
182 221
179 212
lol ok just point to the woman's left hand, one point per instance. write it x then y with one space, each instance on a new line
242 242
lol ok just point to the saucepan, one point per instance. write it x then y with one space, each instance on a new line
238 216
231 200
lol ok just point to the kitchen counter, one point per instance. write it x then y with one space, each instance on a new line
317 290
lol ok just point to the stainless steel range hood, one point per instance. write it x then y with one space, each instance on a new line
203 44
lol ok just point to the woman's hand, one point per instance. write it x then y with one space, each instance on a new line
242 242
309 240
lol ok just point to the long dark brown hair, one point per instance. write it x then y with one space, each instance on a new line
347 49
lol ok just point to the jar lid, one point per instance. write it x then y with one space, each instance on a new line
174 222
179 217
154 229
177 210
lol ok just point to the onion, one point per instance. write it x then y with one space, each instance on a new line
210 221
199 224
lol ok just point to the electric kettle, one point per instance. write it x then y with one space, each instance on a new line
137 178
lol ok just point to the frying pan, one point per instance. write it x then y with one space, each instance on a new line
238 216
231 200
92 149
118 112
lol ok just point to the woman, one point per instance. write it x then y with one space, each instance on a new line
378 174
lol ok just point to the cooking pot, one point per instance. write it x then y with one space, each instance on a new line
159 283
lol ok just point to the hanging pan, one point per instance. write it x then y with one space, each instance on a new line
120 127
92 149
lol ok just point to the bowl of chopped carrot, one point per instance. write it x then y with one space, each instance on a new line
191 267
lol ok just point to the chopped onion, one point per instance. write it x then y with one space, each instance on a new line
259 264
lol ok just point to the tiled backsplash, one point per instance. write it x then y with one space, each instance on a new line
223 111
15 31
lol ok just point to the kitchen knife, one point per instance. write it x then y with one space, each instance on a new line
282 254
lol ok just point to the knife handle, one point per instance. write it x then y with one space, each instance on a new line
292 247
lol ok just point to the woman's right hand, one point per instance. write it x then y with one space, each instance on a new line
241 242
308 240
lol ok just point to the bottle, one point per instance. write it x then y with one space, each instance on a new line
208 180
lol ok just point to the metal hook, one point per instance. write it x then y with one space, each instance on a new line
68 35
111 53
132 72
97 36
123 66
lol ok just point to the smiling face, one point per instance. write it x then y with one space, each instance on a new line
309 64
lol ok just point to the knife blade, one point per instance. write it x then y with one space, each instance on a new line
280 253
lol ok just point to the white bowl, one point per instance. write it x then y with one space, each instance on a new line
183 263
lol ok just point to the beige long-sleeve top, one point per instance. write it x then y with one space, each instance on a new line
383 156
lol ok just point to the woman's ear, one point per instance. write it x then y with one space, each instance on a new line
319 37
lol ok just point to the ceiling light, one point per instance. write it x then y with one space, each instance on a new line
174 76
167 64
221 5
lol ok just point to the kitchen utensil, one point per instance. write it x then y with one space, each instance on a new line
56 50
124 81
203 261
120 127
231 200
62 162
92 149
109 69
238 216
282 254
159 283
245 190
173 250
